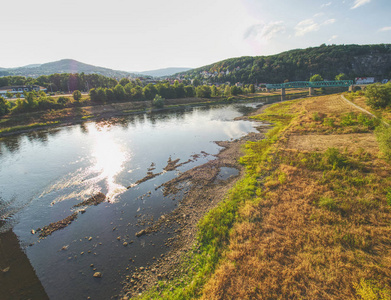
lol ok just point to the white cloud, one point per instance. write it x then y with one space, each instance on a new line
265 31
305 27
333 38
325 5
309 25
318 15
358 3
385 28
329 21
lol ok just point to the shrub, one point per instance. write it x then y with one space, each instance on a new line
329 122
4 106
76 95
348 119
158 101
332 157
327 203
315 116
62 100
378 95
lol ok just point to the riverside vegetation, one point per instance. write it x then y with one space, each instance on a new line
309 220
108 90
39 109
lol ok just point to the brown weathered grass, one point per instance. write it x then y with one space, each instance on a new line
317 231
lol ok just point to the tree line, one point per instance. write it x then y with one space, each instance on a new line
125 90
64 82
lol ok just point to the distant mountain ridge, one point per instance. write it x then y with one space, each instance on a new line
300 64
164 72
62 66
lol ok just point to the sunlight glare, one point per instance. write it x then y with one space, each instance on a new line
109 158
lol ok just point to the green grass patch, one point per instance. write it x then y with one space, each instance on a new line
371 290
327 203
383 136
25 127
388 197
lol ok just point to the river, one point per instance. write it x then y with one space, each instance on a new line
44 174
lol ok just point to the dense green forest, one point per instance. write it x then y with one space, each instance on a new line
300 64
63 82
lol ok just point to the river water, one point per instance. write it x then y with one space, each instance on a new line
43 174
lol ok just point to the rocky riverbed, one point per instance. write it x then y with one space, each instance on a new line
201 193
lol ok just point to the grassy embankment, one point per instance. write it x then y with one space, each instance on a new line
359 99
310 220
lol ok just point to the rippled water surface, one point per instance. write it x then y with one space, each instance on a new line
44 174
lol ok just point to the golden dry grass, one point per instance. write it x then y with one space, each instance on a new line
320 142
313 233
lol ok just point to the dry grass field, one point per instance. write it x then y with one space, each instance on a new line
319 225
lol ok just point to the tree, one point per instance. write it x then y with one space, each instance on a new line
101 95
110 96
93 95
341 76
76 95
227 91
235 90
251 89
378 95
196 82
124 81
4 106
179 90
62 100
9 95
189 91
30 98
149 91
119 92
158 101
316 77
214 90
137 93
203 91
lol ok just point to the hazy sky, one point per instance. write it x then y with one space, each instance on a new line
142 35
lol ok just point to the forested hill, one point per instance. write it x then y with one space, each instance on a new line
300 64
62 66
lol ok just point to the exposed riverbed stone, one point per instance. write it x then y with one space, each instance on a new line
97 275
94 200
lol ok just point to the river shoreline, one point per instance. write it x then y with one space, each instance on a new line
28 122
205 193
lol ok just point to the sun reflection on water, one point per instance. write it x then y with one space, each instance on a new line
109 157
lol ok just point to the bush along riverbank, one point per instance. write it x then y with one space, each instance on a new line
310 219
